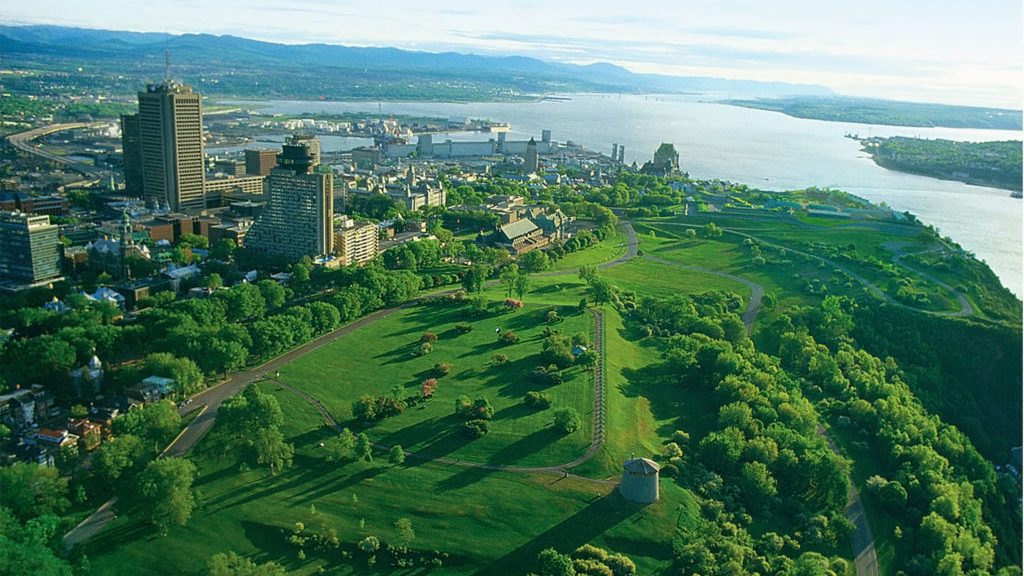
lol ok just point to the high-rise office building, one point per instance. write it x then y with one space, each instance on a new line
531 162
298 219
260 162
171 136
29 249
131 146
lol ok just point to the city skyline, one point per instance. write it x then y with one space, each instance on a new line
909 51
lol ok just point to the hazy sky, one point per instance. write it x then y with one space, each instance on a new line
951 51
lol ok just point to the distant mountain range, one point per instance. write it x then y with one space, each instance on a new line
229 65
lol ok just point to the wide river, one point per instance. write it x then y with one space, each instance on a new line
762 149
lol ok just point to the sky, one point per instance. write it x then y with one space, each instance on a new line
954 52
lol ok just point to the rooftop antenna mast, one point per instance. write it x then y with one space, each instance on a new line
167 58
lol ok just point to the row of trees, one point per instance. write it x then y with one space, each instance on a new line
219 334
587 560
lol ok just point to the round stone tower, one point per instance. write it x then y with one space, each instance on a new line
640 480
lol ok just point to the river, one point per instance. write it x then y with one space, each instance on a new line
762 149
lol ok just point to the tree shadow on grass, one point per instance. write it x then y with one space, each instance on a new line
557 288
532 443
450 334
524 321
429 315
514 411
307 471
326 488
266 538
682 406
601 515
484 348
462 478
400 354
432 438
129 531
659 550
223 472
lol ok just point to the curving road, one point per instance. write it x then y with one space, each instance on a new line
23 141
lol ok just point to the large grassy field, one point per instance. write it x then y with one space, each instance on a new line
786 282
378 360
453 510
852 245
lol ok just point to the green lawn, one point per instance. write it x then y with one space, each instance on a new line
656 279
860 240
631 427
490 522
379 358
604 251
452 509
727 254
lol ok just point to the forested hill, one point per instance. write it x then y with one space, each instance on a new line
243 67
995 164
887 112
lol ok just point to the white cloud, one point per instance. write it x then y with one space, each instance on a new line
917 49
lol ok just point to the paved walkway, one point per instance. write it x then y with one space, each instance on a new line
862 542
597 437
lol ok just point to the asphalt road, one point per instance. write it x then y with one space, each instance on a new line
862 542
23 141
